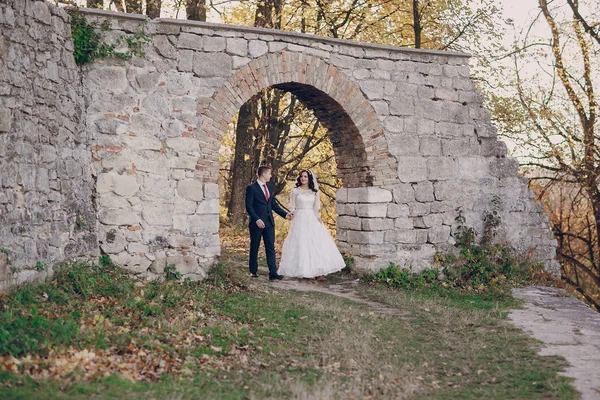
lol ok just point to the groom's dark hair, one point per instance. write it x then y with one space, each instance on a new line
262 169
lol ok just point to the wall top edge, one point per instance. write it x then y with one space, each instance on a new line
273 32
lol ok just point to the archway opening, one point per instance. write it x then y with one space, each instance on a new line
290 127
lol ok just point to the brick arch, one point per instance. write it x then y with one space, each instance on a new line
356 133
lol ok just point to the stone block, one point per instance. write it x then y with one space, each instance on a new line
432 220
404 193
123 185
450 129
185 60
237 47
208 206
114 78
397 210
377 249
164 47
398 236
423 192
179 85
441 168
377 224
403 145
430 146
381 107
190 189
214 43
178 241
158 187
372 89
257 48
185 207
438 234
343 61
184 145
446 190
157 214
212 64
5 120
486 130
184 264
412 169
404 223
204 224
417 257
359 237
118 216
41 12
189 41
429 109
341 195
369 195
419 209
473 167
393 124
211 190
142 143
371 210
348 222
156 105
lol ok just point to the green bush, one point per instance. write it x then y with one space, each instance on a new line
89 44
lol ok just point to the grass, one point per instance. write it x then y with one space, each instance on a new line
231 337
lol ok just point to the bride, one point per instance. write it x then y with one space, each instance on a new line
309 250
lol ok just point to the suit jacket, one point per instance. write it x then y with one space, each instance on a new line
258 207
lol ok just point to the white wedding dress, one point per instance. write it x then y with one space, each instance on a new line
309 250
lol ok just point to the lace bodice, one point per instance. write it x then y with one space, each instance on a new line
304 199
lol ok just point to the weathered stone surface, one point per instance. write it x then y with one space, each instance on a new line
191 189
212 64
371 210
412 141
123 185
412 169
368 195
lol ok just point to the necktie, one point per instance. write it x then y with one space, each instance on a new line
266 192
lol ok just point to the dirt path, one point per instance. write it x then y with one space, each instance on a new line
346 291
568 328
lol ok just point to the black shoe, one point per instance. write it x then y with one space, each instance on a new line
275 277
254 275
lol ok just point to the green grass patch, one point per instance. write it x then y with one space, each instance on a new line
231 337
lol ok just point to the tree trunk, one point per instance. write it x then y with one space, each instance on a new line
417 24
196 10
243 162
95 4
249 141
153 8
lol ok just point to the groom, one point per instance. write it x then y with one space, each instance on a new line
260 204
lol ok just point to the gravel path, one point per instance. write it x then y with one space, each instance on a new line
568 328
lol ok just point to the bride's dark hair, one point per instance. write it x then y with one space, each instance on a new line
311 180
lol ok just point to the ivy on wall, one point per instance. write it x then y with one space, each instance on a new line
89 42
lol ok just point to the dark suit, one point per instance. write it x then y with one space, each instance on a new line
258 207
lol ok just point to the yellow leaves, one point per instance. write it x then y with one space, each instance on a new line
98 319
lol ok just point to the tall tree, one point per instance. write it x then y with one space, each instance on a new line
553 119
196 10
95 4
153 8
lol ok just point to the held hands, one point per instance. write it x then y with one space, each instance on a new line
290 216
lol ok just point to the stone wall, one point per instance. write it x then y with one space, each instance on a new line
412 141
46 185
